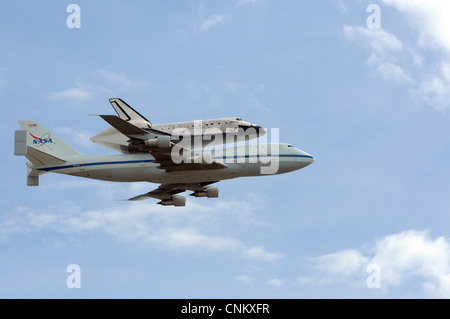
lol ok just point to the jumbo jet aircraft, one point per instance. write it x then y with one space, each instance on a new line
176 168
230 129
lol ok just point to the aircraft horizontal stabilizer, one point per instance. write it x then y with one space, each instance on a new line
20 142
40 158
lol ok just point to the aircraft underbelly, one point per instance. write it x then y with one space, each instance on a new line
129 174
149 174
195 176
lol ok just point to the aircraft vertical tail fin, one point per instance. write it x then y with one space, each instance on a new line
42 140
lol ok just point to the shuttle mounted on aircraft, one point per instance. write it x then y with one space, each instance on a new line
208 132
160 154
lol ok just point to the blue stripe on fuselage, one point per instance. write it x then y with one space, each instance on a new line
49 169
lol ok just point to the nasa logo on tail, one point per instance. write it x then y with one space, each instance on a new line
43 140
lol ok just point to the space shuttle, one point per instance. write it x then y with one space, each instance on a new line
130 132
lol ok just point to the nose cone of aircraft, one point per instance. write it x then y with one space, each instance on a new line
305 158
293 160
309 158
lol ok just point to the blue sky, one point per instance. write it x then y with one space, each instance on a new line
372 106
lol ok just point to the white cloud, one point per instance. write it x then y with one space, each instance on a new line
404 257
430 18
243 3
391 59
394 73
379 40
177 238
253 101
342 6
342 263
194 227
123 81
414 253
385 50
80 93
73 94
275 282
435 91
216 93
214 20
260 253
245 279
78 137
99 82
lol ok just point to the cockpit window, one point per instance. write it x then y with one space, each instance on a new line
238 119
289 145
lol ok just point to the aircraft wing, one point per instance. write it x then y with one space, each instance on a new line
166 192
165 160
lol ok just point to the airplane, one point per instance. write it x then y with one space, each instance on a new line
176 168
209 132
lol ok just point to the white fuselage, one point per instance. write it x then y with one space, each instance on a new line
142 167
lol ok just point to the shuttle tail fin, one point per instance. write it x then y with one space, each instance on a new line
126 112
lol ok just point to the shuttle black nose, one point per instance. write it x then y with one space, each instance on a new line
260 131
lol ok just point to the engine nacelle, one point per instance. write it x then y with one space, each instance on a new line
141 123
160 142
209 191
176 200
199 194
212 192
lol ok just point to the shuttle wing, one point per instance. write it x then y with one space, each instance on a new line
130 130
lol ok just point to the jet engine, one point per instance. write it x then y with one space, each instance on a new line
160 142
176 200
209 191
